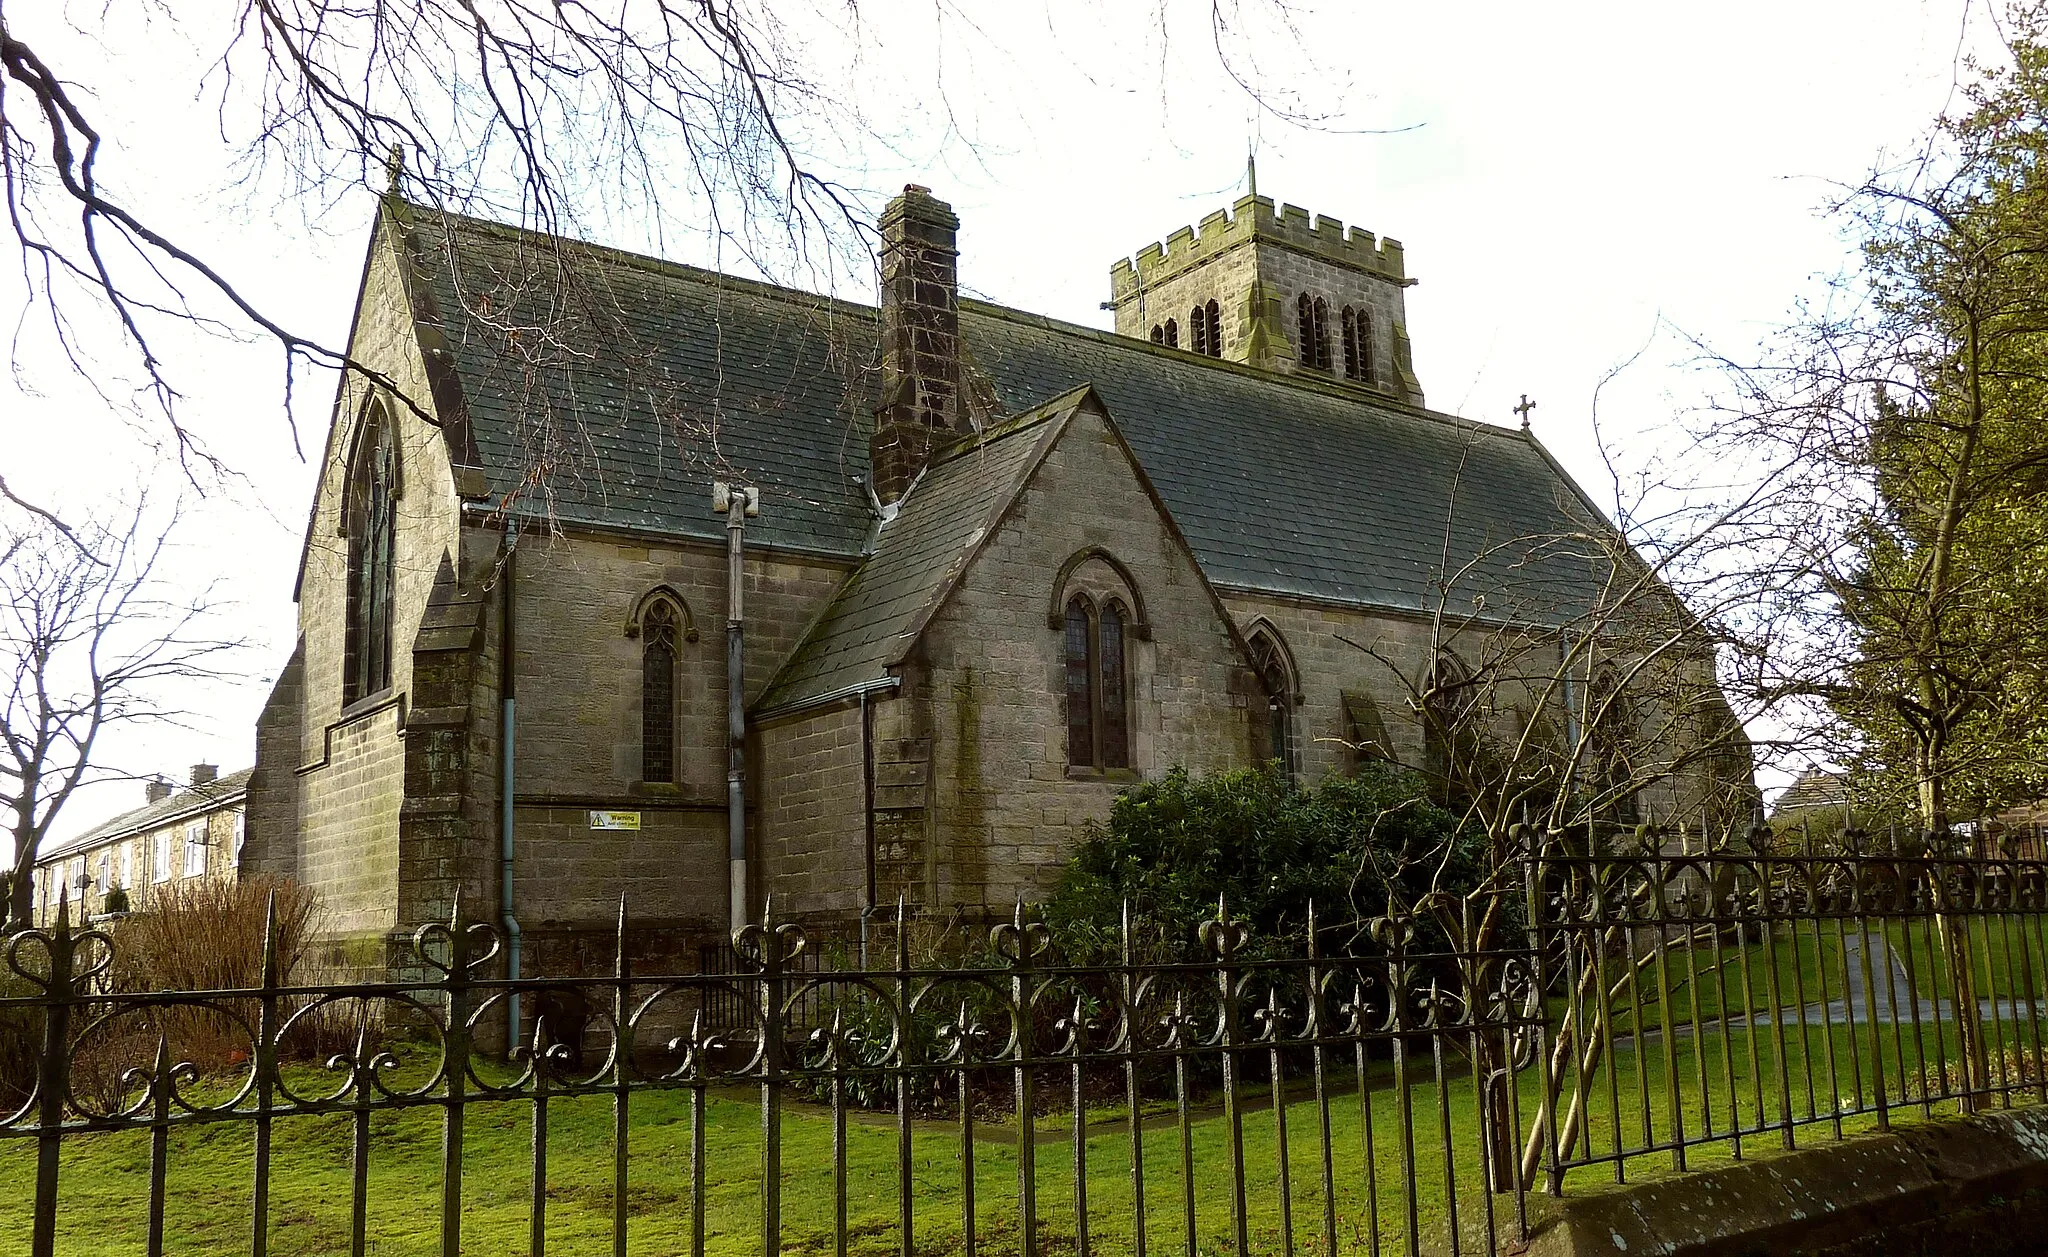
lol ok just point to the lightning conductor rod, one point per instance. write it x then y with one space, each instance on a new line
738 504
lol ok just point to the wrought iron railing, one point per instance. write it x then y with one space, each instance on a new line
1404 1100
1735 998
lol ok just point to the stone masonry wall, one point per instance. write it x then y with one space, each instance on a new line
1327 666
811 834
1006 807
350 765
579 705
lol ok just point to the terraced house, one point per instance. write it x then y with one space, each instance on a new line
1002 567
178 836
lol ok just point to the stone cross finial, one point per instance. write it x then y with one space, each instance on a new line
1524 409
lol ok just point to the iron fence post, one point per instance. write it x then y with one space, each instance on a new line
52 1082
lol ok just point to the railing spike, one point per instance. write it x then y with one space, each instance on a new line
270 974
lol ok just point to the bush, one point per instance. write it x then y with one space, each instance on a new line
1268 848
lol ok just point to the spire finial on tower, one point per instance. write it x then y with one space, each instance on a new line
1251 172
394 168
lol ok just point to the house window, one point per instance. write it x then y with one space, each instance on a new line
370 519
1276 676
1098 691
1313 316
128 866
195 849
160 848
1358 363
241 836
658 693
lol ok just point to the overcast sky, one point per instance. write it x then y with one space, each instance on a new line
1566 178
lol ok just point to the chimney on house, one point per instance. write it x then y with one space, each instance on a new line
204 773
920 408
157 789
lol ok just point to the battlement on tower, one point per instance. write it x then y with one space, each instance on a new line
1257 218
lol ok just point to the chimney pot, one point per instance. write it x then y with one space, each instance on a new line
920 323
204 773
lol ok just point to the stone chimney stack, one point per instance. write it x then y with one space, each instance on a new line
920 408
202 774
157 789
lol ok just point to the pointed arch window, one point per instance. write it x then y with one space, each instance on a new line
1358 358
1450 742
1313 315
1276 676
1098 689
659 631
1611 730
370 520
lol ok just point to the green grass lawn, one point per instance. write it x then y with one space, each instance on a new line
1715 1077
105 1179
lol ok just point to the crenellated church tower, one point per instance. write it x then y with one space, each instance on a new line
1274 289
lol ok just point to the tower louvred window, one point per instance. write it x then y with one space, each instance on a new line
1172 335
1358 364
1198 331
1212 320
1158 334
1313 316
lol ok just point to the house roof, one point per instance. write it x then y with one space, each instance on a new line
223 791
886 601
607 389
1813 788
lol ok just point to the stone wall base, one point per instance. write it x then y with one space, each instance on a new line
1975 1185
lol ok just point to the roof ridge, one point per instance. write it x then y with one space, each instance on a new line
180 803
652 263
1285 379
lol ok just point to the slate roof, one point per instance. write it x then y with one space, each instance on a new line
873 618
1813 788
607 389
218 793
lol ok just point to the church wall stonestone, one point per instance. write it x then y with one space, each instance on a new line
1007 809
578 743
349 766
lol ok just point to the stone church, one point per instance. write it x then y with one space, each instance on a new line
1002 567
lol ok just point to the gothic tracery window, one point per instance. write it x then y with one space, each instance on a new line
1610 730
658 635
1276 676
370 519
1097 687
1358 356
1313 316
1450 742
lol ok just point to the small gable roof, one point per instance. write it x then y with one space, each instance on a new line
877 615
653 378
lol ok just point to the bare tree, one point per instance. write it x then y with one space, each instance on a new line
686 115
91 640
1911 613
